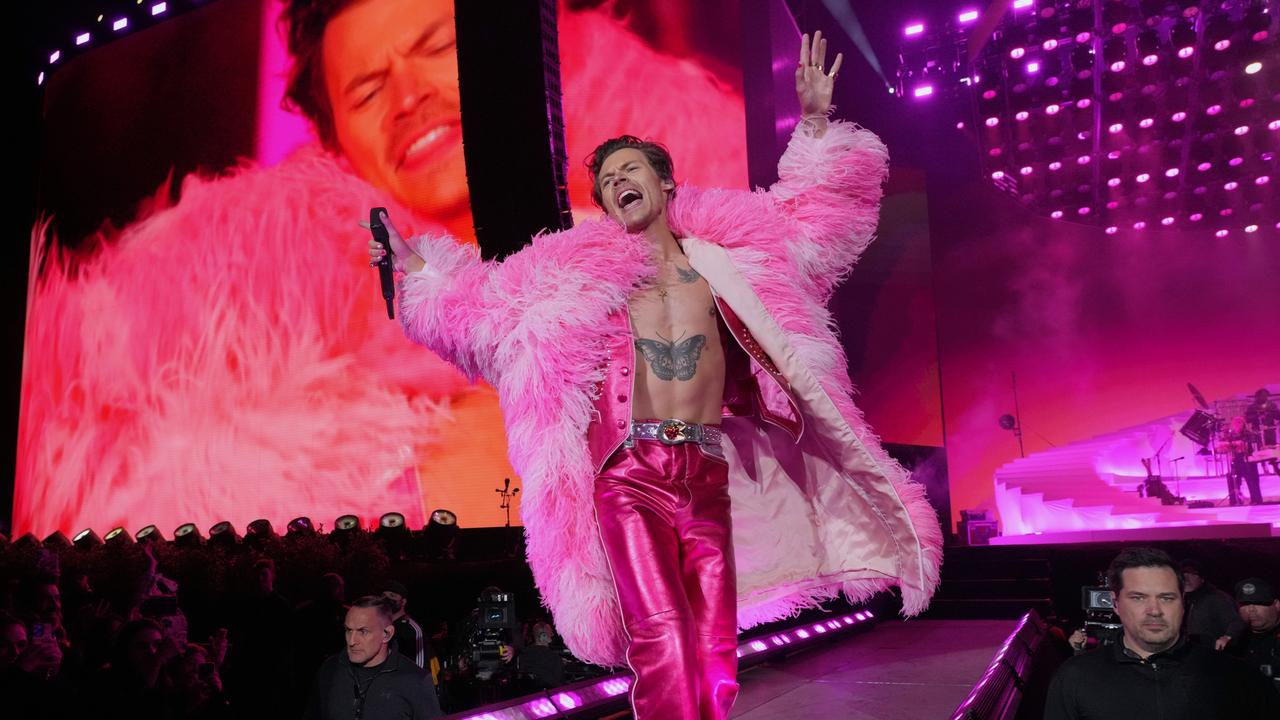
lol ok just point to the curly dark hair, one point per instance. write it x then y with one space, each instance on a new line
657 154
303 23
1136 557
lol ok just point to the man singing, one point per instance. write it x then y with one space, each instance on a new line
679 409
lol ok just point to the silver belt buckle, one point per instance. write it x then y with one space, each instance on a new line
675 432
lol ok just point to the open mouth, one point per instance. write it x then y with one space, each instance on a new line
628 197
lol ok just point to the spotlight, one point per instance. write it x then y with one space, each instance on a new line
223 534
1252 68
1148 44
259 531
1114 52
346 523
150 534
1080 23
1082 61
1217 32
1116 15
1183 37
118 536
56 540
86 539
967 17
299 526
187 535
1257 23
441 535
913 29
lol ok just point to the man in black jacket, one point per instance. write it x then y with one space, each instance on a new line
1153 671
371 679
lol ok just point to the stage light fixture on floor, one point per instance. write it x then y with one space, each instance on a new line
345 528
56 540
299 526
148 534
223 534
187 535
259 530
1217 32
118 536
86 539
441 535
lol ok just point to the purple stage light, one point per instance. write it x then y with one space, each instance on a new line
159 9
821 630
1241 130
997 175
1166 221
1114 128
923 90
776 640
860 616
1033 68
967 16
615 686
1262 180
1049 44
1204 166
1226 212
1083 103
992 121
1252 68
1222 45
567 701
1113 204
1213 109
802 634
1083 160
869 615
1230 185
1025 170
995 152
1017 53
1186 52
1055 165
40 78
1054 109
1146 122
541 707
1195 217
1246 102
1223 233
758 646
1273 125
1021 115
1235 161
1112 229
1056 214
1117 66
1178 116
1113 182
1083 37
1019 4
1150 60
1083 211
1250 228
914 29
1113 155
960 125
120 24
1140 225
1142 177
54 56
1171 172
82 38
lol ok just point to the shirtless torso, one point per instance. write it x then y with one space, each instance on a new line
680 363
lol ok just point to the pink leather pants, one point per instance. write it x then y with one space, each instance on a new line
663 512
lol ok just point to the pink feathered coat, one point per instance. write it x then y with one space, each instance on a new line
814 516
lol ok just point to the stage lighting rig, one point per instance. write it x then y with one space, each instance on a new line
223 534
299 527
86 539
118 536
1128 114
187 535
149 534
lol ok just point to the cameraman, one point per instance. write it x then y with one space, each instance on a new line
1152 670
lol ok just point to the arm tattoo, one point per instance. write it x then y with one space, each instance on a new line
687 276
669 359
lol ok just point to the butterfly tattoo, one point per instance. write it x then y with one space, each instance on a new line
670 359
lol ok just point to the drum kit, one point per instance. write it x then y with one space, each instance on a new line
1231 445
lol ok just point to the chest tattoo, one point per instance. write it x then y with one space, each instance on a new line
672 359
687 276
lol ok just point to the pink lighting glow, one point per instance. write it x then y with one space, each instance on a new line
1084 103
616 686
1140 225
1222 45
997 175
923 91
1113 182
1213 109
1204 166
1226 212
1250 228
1055 165
1083 160
758 646
1026 170
1178 116
1083 37
993 121
1171 172
40 79
1230 185
1055 214
1113 204
1242 129
1083 211
1186 52
1113 155
1166 221
1252 68
159 9
1049 44
53 56
1019 4
1017 53
1142 177
1195 217
568 701
819 629
120 24
1235 161
1115 128
1262 180
82 38
1117 66
1150 60
542 707
802 634
1223 233
1022 115
915 29
1146 122
960 125
1033 67
1055 109
1112 230
1273 125
968 16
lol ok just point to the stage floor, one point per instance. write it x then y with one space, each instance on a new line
901 670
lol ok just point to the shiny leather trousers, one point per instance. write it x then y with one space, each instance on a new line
663 512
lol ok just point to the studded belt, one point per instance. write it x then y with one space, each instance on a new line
676 432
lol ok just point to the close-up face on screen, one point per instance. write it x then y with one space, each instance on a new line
206 340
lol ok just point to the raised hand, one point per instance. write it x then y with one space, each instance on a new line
814 82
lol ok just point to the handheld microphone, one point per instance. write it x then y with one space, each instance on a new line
384 266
